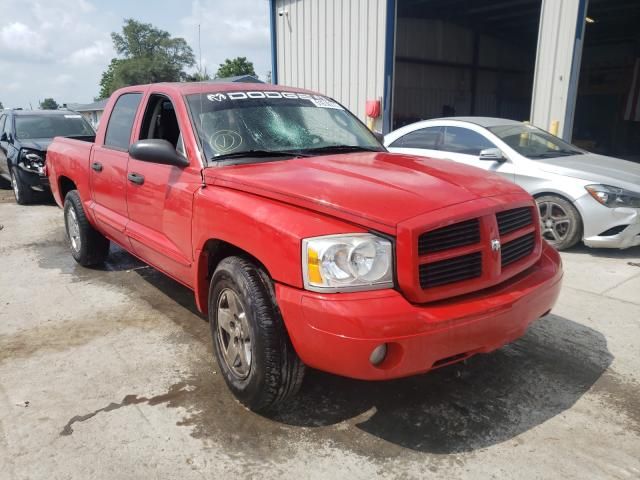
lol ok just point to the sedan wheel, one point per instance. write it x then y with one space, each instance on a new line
560 222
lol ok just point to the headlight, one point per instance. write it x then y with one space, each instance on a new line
32 160
335 263
613 196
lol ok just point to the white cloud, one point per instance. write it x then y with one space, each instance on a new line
59 48
96 52
238 28
19 38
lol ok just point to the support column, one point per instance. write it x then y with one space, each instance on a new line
555 84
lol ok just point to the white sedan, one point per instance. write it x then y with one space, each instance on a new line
581 195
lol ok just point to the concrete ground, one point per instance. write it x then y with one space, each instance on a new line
108 374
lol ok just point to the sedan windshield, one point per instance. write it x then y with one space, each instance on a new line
264 124
52 125
534 143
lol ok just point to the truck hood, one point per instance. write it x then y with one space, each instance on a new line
595 168
373 189
40 144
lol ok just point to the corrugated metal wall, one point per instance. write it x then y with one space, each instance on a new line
335 47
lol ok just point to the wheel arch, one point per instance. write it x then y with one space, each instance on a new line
65 185
208 257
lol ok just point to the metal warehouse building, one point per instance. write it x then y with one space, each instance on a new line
569 66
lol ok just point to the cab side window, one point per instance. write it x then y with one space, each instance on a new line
463 140
428 138
160 121
121 120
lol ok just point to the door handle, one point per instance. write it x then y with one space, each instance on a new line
97 166
136 178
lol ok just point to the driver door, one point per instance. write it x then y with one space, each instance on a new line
160 197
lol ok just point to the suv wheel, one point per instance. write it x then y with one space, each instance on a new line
88 246
23 194
250 341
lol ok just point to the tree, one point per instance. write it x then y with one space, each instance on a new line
49 104
1 106
146 55
235 67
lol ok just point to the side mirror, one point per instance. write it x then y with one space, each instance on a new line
492 155
3 137
157 151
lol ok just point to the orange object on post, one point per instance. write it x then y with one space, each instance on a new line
373 108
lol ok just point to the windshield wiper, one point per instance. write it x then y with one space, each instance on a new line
340 149
258 154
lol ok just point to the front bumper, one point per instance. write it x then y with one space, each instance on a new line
34 180
336 333
598 219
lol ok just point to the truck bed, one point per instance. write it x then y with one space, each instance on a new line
69 158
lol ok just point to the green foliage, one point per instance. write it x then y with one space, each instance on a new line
146 55
234 67
49 104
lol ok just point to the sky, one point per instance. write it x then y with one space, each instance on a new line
59 48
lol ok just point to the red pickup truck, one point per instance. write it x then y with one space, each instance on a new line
306 242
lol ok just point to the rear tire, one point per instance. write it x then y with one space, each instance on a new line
561 224
88 246
22 193
250 342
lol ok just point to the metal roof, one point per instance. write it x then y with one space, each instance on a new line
40 112
89 107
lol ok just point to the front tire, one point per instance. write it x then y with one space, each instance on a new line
22 193
250 341
560 221
88 246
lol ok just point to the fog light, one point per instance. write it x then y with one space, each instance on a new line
378 354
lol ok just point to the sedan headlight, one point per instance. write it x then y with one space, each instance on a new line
613 196
336 263
32 160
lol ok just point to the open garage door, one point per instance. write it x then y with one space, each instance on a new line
607 115
460 57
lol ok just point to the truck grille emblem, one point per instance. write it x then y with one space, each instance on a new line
495 245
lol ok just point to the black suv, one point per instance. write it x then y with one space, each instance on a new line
24 138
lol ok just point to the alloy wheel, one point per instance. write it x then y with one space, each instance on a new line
233 334
16 188
73 229
554 221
